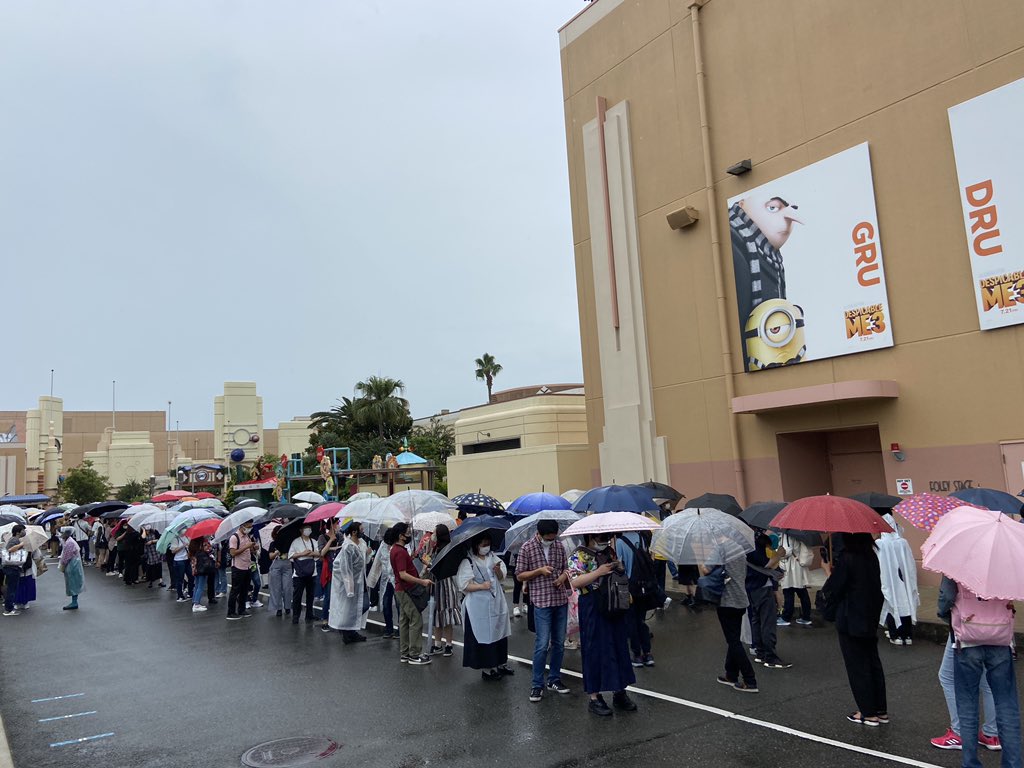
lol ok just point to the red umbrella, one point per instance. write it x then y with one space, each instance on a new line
171 496
325 511
205 528
830 514
205 495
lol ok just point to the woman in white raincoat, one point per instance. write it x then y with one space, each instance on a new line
349 605
484 610
899 585
795 580
382 578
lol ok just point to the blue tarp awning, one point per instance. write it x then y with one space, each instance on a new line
408 457
31 498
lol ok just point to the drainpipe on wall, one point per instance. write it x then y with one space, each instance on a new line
716 251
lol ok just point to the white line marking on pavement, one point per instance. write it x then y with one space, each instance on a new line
79 741
58 698
724 713
65 717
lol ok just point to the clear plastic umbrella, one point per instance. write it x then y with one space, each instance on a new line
151 516
428 521
183 520
236 520
573 495
521 532
400 508
702 537
362 495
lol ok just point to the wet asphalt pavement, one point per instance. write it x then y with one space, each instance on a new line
161 686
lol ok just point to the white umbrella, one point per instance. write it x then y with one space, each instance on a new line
702 537
10 509
610 522
311 496
267 533
153 517
411 502
573 495
522 531
363 495
428 521
235 520
33 538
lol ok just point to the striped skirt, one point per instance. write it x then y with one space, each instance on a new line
447 603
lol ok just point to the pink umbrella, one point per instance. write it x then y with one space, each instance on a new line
981 549
924 510
611 522
324 511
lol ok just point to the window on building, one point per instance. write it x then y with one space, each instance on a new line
509 444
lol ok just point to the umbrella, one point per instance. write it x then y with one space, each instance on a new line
33 538
100 508
702 537
214 504
990 498
446 562
289 532
246 503
524 530
572 495
182 520
363 495
311 496
171 496
428 521
413 501
530 503
721 501
324 511
981 549
831 514
205 528
235 520
761 513
923 510
283 511
141 514
267 533
205 495
617 498
478 504
11 509
611 522
41 521
662 492
877 500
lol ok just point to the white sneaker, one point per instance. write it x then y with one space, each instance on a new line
516 613
12 613
248 606
667 603
218 595
257 604
199 608
183 600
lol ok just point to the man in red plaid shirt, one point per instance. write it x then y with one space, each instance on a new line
542 566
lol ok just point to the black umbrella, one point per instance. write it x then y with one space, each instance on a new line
6 519
880 502
287 511
660 491
761 513
478 504
289 532
446 562
246 503
720 501
99 508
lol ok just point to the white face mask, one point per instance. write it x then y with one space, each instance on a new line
601 546
546 544
484 551
306 531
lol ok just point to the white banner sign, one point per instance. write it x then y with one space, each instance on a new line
987 133
807 259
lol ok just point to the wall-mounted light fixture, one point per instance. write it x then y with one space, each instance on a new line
485 434
743 166
684 217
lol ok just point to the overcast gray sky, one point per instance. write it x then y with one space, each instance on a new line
298 194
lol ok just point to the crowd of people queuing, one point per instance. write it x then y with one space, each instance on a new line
871 582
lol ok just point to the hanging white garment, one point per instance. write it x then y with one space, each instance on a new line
899 575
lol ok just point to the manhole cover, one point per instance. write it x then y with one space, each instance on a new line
282 753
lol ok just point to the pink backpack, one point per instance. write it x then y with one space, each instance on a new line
982 622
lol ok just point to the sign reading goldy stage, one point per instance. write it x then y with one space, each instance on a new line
987 144
808 263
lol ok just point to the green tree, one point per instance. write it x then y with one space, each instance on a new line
436 442
84 484
133 490
338 420
380 404
486 369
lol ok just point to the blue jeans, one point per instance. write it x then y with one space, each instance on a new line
387 604
178 576
995 663
221 587
550 624
257 584
325 607
948 683
198 589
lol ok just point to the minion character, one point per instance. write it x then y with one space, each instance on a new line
774 335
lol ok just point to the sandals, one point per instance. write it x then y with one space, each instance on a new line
857 717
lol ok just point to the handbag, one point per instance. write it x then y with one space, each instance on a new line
304 569
419 595
11 559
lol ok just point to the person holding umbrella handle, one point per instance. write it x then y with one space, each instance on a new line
410 620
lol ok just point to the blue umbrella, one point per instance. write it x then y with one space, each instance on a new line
617 498
990 499
446 562
536 502
49 518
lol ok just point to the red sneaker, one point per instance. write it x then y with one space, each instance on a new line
949 740
989 742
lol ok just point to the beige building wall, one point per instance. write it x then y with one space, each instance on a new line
552 452
292 436
802 82
237 416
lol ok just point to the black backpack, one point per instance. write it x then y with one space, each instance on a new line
613 594
643 582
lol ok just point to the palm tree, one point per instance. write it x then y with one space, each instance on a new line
486 369
379 403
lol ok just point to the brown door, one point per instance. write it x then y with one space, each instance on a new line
1013 465
854 473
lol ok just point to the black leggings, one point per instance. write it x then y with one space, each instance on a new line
302 584
865 673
